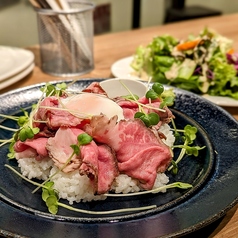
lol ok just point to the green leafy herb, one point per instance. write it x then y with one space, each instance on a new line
179 185
174 167
83 139
50 197
190 150
11 153
189 136
25 131
157 92
131 97
54 90
149 119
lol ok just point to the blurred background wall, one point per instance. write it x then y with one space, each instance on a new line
18 24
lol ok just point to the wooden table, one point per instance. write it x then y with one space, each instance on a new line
109 48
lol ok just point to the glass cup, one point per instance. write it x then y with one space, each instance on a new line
66 38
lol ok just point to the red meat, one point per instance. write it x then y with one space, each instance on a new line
140 153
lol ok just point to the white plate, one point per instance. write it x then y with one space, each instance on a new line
11 80
115 87
122 69
13 60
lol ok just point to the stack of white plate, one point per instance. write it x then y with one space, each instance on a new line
15 64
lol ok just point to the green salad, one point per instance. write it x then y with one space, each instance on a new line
204 64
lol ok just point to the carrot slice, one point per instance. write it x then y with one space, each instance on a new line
230 52
188 45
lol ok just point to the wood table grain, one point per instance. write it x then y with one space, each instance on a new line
111 47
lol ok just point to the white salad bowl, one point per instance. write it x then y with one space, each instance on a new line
116 87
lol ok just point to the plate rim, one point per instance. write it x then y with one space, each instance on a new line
13 79
26 58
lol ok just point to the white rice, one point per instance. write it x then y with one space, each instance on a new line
32 168
166 130
73 187
161 180
125 184
76 188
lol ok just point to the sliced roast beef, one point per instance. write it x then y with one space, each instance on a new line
97 162
89 163
51 113
107 168
31 148
103 130
130 108
60 151
95 87
165 116
59 148
145 164
132 141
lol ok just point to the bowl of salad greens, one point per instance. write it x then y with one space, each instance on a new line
204 64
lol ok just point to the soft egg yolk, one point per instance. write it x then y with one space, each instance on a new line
90 104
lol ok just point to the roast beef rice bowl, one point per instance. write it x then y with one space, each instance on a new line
78 154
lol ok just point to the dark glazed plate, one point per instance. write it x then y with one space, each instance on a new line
213 174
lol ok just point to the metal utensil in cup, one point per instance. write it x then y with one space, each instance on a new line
66 38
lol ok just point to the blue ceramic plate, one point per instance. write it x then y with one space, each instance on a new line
179 212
